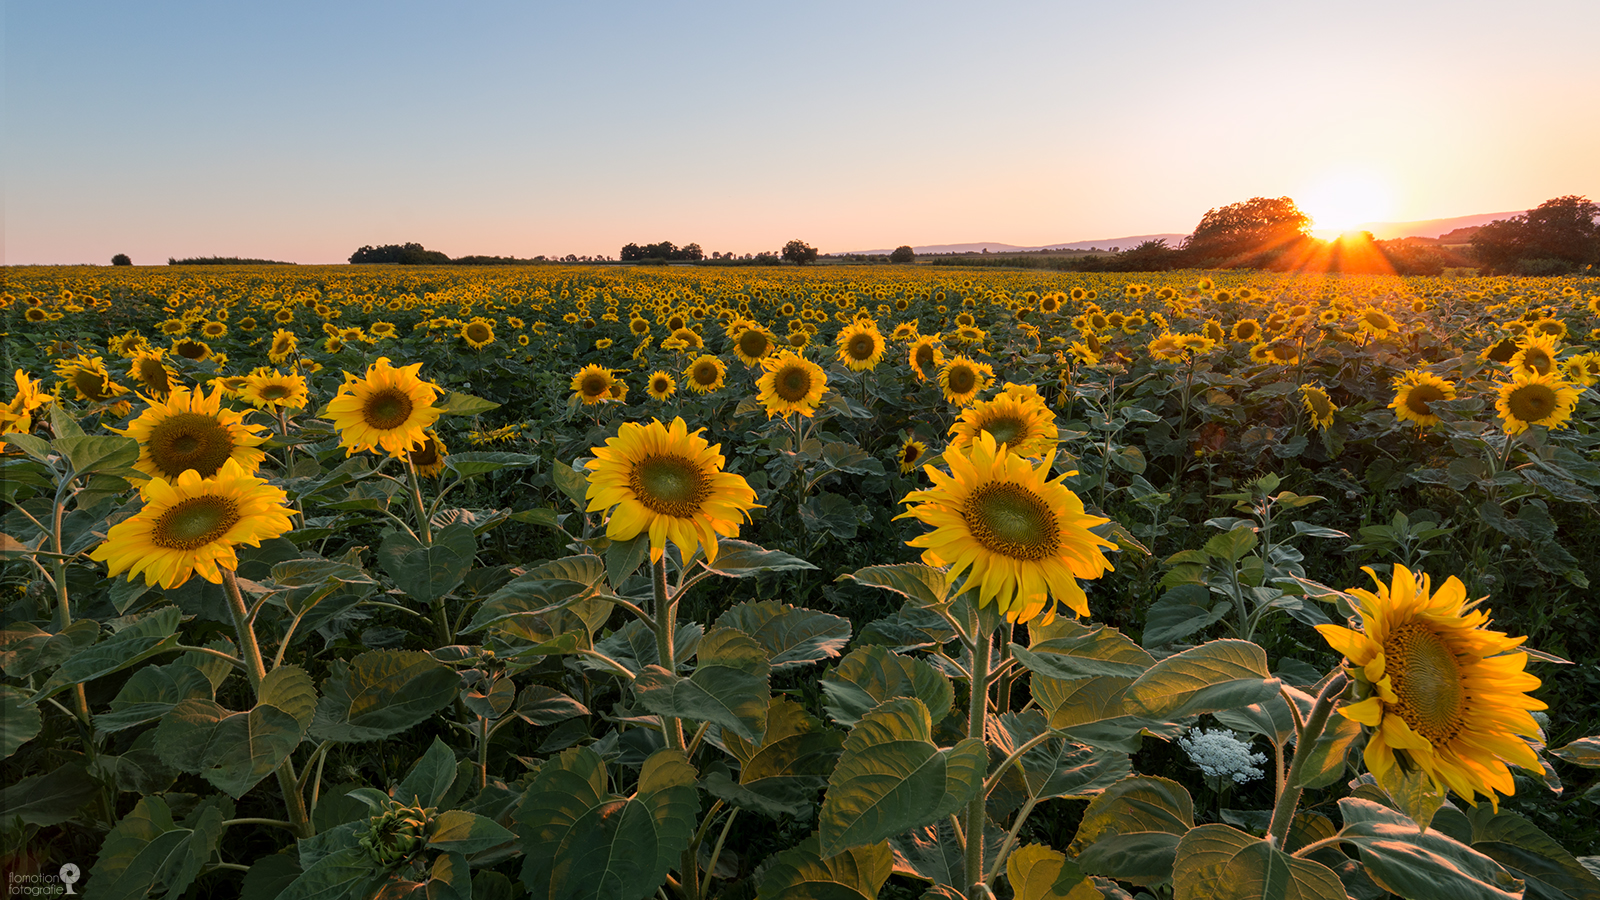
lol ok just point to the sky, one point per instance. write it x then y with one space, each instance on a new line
302 131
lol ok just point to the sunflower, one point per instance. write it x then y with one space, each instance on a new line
962 378
1415 393
389 408
789 384
190 349
1195 343
191 525
151 371
1318 405
1212 330
1166 347
89 378
860 345
753 344
191 430
1548 326
1583 369
925 356
128 345
16 415
272 388
382 330
1442 693
1530 399
910 454
284 344
1016 419
478 333
1284 352
904 333
213 330
1500 351
430 456
668 483
1536 354
1261 354
1023 537
690 338
639 327
705 374
1245 331
661 385
593 384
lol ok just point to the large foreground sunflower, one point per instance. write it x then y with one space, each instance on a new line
1442 693
790 384
389 408
191 525
1016 418
191 431
1530 399
1024 538
1415 392
1536 354
668 483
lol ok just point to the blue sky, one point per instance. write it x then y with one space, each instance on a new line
301 131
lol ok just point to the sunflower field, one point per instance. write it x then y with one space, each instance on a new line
798 584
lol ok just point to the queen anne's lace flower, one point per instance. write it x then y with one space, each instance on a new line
1221 754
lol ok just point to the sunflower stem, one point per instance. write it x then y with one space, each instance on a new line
977 713
58 565
666 614
416 499
1289 797
256 670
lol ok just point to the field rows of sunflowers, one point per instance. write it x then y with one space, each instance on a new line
369 581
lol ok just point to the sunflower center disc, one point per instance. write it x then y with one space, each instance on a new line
274 392
669 485
477 333
924 356
1006 429
387 408
753 343
93 385
793 384
189 440
1503 351
153 374
706 374
862 346
1428 681
1011 520
1532 402
191 350
195 522
427 454
1421 396
962 380
595 385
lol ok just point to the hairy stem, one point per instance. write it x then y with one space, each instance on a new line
1289 798
977 722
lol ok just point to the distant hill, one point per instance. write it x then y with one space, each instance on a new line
1124 243
1431 228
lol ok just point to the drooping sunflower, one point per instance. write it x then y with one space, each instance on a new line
1318 405
1019 420
1166 347
264 389
191 349
1284 352
16 415
1443 694
905 332
191 431
706 374
926 357
284 344
1377 323
129 344
668 483
389 408
661 385
1530 399
430 456
1536 354
478 333
860 345
790 384
1022 537
1500 351
152 372
191 525
89 378
593 384
1415 393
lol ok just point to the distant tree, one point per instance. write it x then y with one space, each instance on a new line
1251 233
1562 231
691 252
411 254
799 252
902 254
631 252
121 259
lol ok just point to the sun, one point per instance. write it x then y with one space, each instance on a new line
1344 201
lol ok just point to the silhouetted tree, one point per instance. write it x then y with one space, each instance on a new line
121 259
799 252
1562 232
1251 233
902 254
411 254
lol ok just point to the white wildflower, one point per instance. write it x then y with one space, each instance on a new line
1221 754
